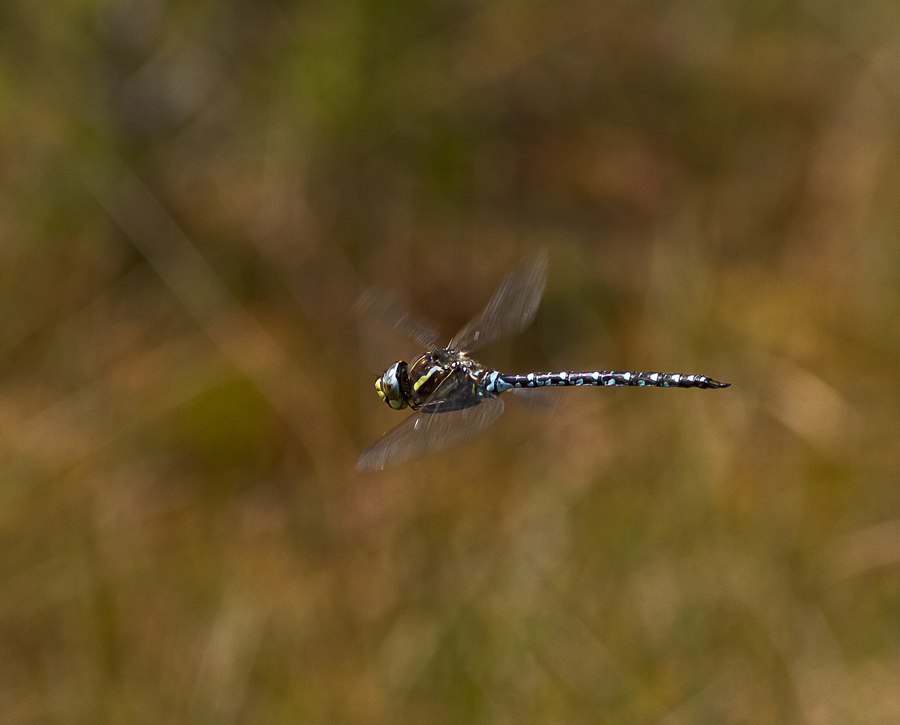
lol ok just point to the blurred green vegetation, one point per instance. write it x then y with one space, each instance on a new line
192 195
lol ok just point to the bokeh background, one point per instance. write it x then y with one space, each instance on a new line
192 196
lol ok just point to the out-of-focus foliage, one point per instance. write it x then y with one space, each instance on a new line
193 194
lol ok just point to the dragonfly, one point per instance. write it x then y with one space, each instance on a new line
454 397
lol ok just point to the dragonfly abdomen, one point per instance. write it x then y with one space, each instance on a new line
498 383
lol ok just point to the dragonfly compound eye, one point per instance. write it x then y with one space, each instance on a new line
390 388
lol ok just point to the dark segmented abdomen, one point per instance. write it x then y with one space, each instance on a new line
497 382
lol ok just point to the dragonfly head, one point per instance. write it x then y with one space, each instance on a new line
392 385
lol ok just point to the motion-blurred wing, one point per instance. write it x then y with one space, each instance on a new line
382 307
430 431
538 399
511 309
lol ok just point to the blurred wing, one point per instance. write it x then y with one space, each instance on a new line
430 431
535 398
384 308
511 309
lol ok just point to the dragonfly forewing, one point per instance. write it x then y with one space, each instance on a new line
511 309
380 306
430 431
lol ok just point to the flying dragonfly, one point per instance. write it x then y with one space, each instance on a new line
454 397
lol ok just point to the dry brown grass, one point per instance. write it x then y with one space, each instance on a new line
193 196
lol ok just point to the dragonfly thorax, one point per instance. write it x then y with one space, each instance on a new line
411 385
